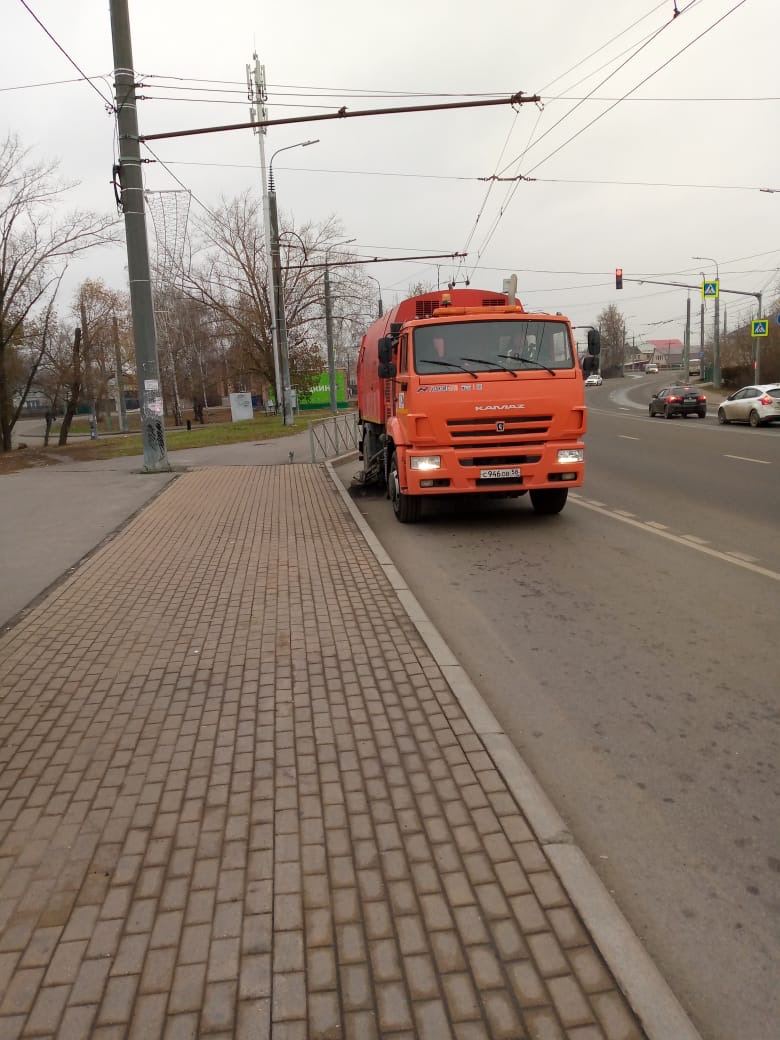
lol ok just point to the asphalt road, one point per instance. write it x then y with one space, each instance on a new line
628 648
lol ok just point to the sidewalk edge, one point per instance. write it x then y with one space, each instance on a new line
649 994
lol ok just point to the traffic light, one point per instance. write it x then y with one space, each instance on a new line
618 277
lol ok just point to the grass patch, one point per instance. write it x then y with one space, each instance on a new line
111 445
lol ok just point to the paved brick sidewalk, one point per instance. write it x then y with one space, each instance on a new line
238 799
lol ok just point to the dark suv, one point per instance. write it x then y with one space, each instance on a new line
678 400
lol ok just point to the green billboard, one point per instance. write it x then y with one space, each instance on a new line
319 396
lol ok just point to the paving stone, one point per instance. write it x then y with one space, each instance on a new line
47 1010
21 992
219 1007
614 1017
431 1021
421 977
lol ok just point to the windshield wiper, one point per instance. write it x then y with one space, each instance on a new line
495 364
529 361
449 364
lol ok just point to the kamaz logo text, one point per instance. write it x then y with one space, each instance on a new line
497 407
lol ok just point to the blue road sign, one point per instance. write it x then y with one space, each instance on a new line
760 327
710 290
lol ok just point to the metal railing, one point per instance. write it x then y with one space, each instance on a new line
329 438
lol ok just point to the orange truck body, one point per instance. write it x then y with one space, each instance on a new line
477 420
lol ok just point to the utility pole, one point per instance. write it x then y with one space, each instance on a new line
329 339
716 380
701 341
757 343
150 397
121 405
281 320
258 114
687 346
89 382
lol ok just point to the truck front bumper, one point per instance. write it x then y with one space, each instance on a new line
482 472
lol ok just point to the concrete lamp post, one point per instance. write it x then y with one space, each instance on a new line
329 327
277 292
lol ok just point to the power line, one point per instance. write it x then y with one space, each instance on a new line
512 192
642 82
59 46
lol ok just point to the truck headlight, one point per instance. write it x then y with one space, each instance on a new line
571 455
425 462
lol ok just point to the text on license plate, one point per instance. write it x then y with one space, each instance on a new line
499 474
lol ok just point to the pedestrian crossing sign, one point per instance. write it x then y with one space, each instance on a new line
760 327
710 290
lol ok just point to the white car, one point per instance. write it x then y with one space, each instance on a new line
594 379
756 405
651 369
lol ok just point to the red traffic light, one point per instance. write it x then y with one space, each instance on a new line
618 277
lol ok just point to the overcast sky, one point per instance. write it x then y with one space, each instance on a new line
672 170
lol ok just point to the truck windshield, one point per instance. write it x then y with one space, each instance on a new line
488 346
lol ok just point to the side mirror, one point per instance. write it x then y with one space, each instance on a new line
385 349
589 365
386 370
594 342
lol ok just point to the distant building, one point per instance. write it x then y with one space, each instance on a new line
666 353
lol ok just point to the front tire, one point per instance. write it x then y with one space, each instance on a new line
754 419
549 501
722 417
405 507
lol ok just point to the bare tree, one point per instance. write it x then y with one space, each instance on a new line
73 391
230 276
36 242
612 327
95 308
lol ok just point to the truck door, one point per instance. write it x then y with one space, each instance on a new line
402 377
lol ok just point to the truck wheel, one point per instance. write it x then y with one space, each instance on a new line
405 507
549 501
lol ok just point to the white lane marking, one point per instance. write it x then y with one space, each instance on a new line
694 538
624 512
742 458
656 525
742 556
725 557
625 437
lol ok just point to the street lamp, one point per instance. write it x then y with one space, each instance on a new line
379 290
716 337
277 293
334 407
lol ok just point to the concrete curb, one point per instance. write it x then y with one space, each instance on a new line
650 996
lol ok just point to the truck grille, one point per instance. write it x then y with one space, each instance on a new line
500 460
521 431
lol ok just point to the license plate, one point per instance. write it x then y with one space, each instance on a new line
499 474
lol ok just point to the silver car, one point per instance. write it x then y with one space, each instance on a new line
758 405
